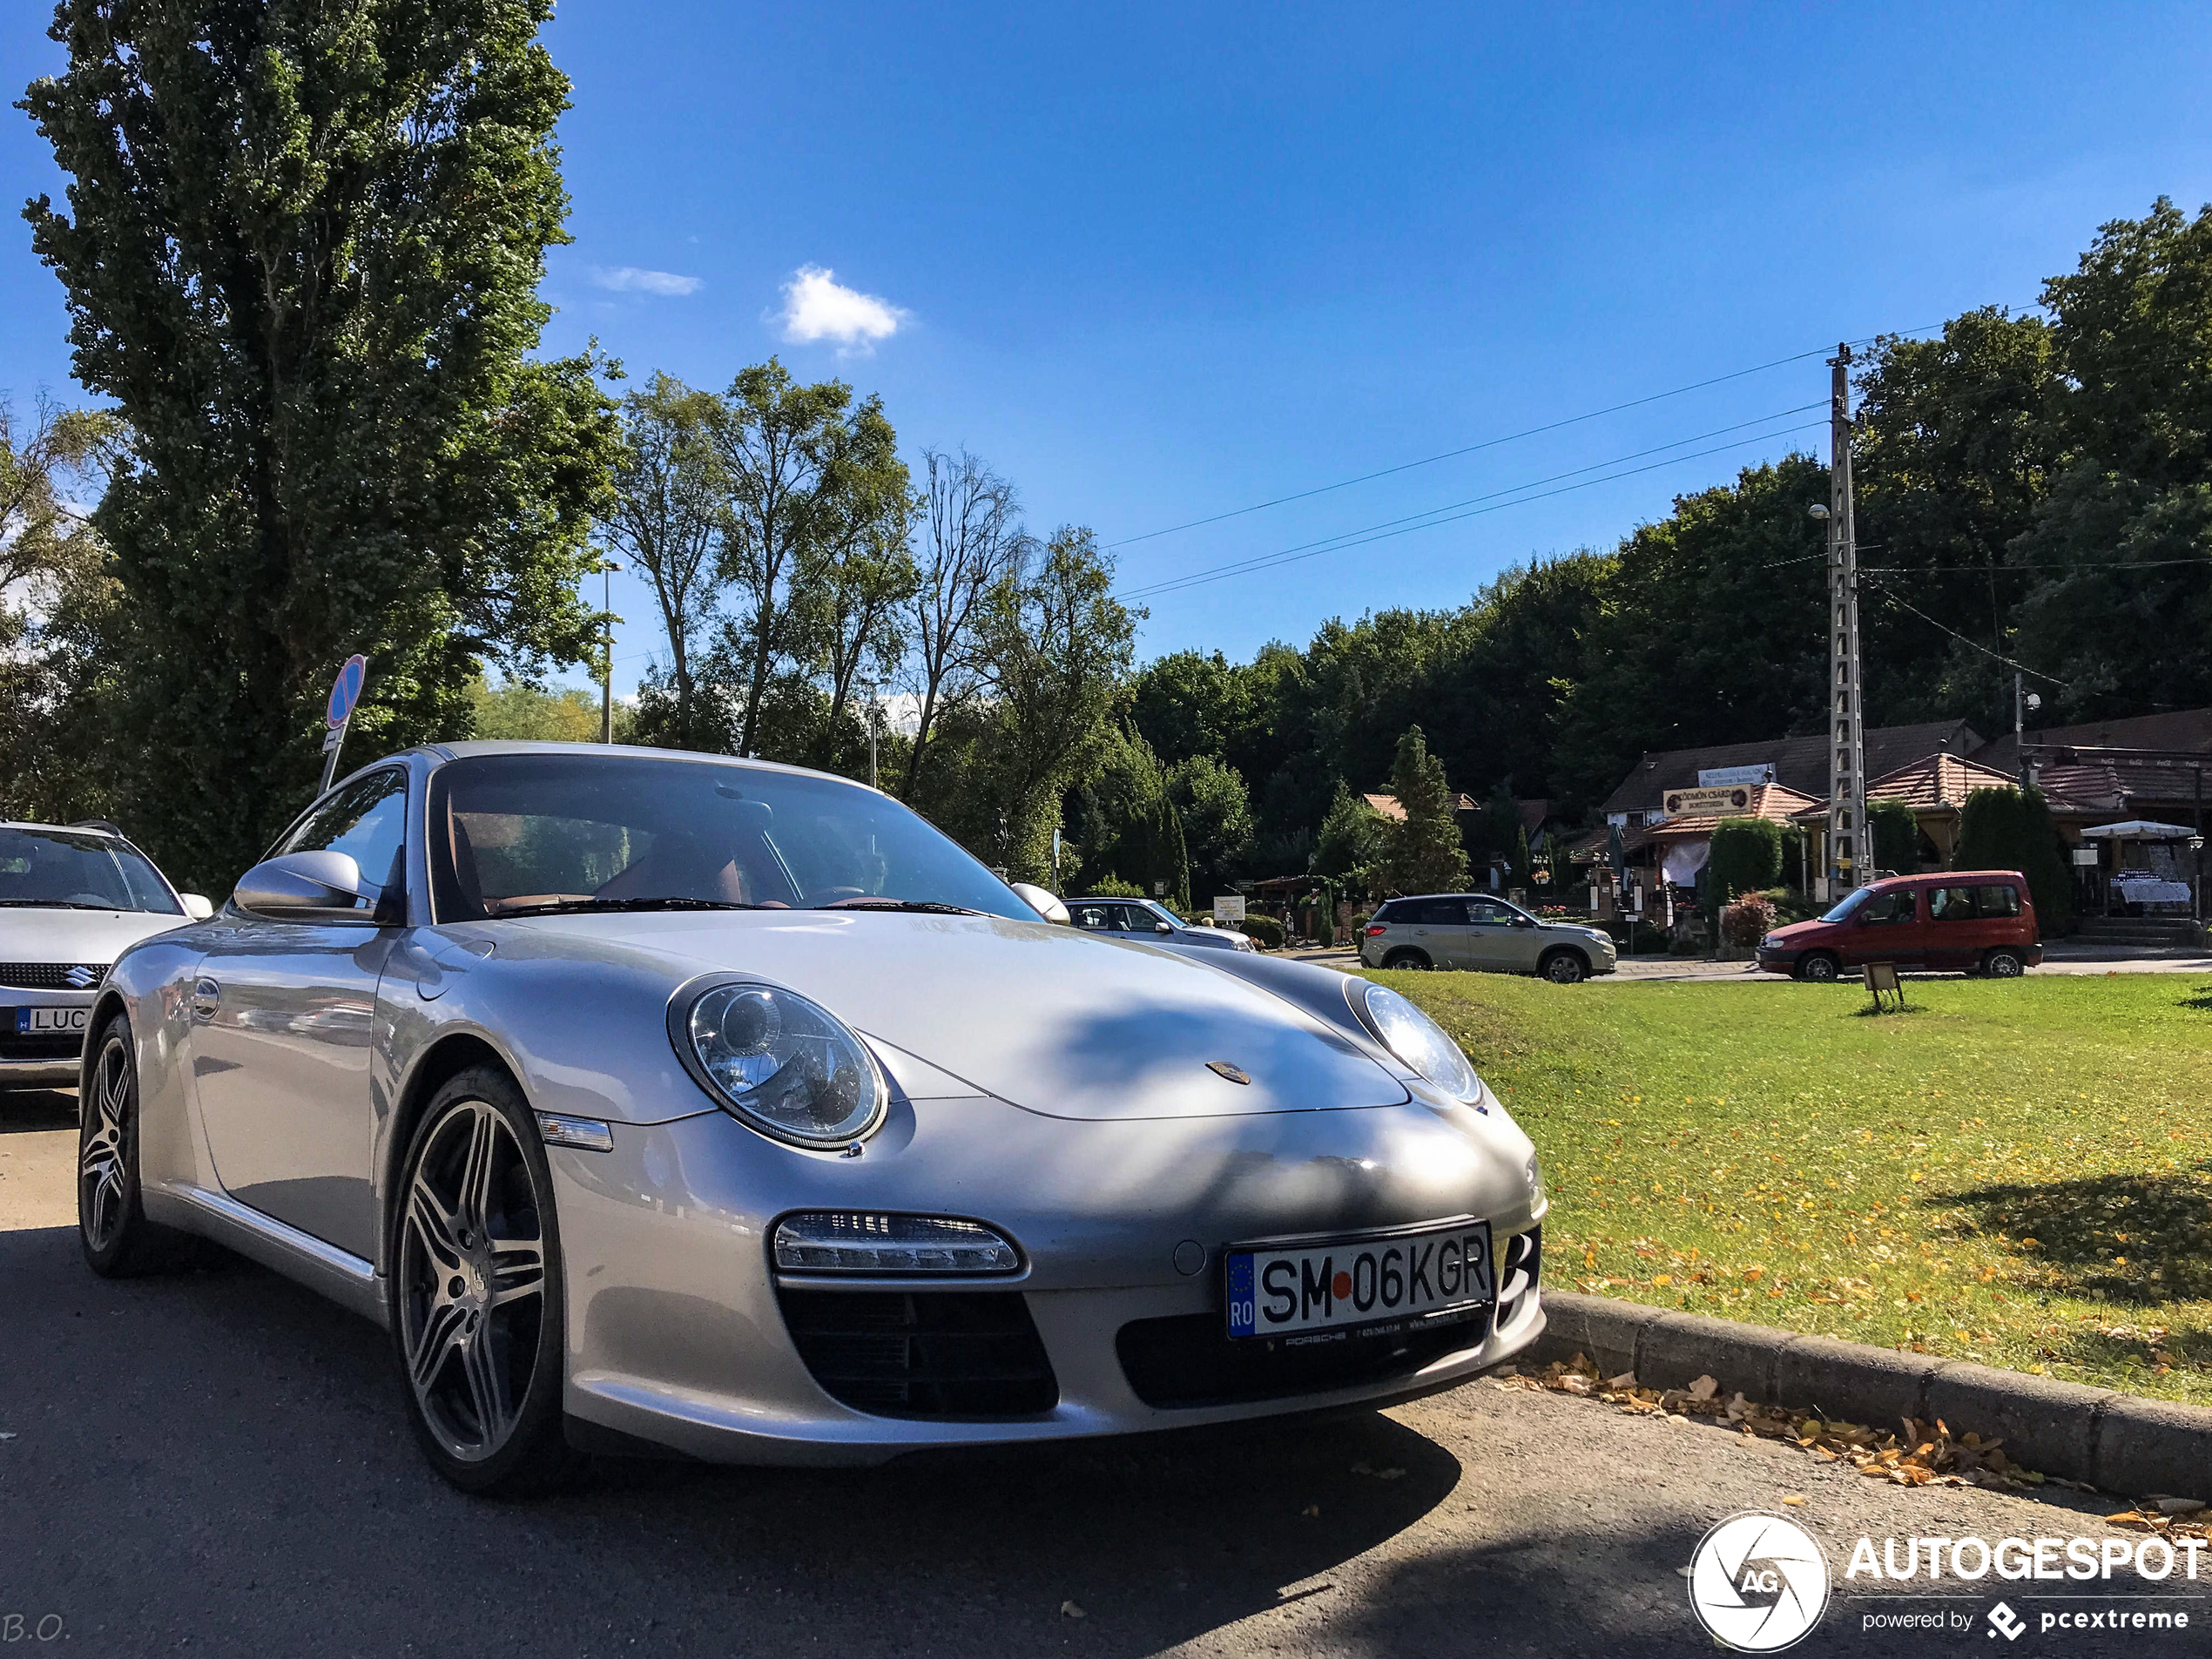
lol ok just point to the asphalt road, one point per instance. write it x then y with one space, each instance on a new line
217 1463
2066 959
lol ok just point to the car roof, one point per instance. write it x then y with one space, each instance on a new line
71 829
475 747
1944 878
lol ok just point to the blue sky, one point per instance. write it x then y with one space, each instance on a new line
1155 265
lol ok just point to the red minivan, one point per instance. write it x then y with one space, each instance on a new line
1979 920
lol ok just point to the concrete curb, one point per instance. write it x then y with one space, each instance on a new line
2115 1442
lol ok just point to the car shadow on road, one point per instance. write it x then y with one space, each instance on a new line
24 1111
271 1420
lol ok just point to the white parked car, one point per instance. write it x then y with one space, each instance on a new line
71 899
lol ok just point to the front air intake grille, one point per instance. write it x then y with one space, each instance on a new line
1188 1360
52 976
923 1353
60 1045
1524 1267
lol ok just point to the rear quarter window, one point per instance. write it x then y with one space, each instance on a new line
2003 899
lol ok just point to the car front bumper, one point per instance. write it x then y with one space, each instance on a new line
678 1327
1777 961
28 1060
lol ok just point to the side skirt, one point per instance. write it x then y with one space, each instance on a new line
323 1268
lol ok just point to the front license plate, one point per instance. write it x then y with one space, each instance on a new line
1367 1279
47 1022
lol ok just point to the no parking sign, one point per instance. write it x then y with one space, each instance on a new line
345 692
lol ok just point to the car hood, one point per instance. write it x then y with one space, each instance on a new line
1799 930
1051 1020
76 936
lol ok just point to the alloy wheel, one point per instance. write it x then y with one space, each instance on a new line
472 1280
1565 968
104 1149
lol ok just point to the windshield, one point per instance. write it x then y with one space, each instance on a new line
519 834
69 869
1849 909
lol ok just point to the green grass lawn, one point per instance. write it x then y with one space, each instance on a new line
2018 1173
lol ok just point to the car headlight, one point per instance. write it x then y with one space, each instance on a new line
786 1067
1772 941
1420 1043
1535 1173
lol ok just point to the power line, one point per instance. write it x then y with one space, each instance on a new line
1412 518
1530 432
1350 539
1888 597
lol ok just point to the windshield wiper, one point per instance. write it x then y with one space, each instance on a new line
57 904
571 905
918 906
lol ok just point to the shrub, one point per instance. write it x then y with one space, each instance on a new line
1264 931
1896 835
2002 829
1359 920
1112 887
1746 857
1748 921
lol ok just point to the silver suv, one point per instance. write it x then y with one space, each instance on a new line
1475 930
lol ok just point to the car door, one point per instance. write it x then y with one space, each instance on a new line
1887 930
1493 944
1956 930
283 1024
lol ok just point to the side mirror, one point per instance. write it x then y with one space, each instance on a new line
306 886
1043 902
196 907
1161 927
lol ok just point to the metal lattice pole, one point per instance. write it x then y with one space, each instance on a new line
1850 854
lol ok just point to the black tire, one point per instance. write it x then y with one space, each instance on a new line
1406 960
475 1293
1819 968
2002 963
1564 966
117 1240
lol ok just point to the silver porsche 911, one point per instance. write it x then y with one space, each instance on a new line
660 1100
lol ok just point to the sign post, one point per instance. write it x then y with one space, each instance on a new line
345 692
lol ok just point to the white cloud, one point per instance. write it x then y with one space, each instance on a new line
630 279
817 307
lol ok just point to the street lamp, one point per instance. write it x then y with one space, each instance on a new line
607 620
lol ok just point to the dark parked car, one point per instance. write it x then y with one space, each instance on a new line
1981 922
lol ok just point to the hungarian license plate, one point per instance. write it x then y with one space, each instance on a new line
46 1021
1372 1278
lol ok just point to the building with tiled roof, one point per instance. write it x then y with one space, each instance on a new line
1936 786
1800 764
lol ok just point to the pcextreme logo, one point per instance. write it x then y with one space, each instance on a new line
1758 1583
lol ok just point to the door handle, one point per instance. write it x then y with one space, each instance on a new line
205 995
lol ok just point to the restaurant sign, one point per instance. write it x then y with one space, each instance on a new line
1708 803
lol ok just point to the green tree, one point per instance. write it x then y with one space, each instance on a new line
1354 843
668 500
518 711
1424 854
1216 814
58 610
2004 829
2119 558
1746 857
301 256
1896 832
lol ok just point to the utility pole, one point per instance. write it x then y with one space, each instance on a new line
607 567
1850 856
871 695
